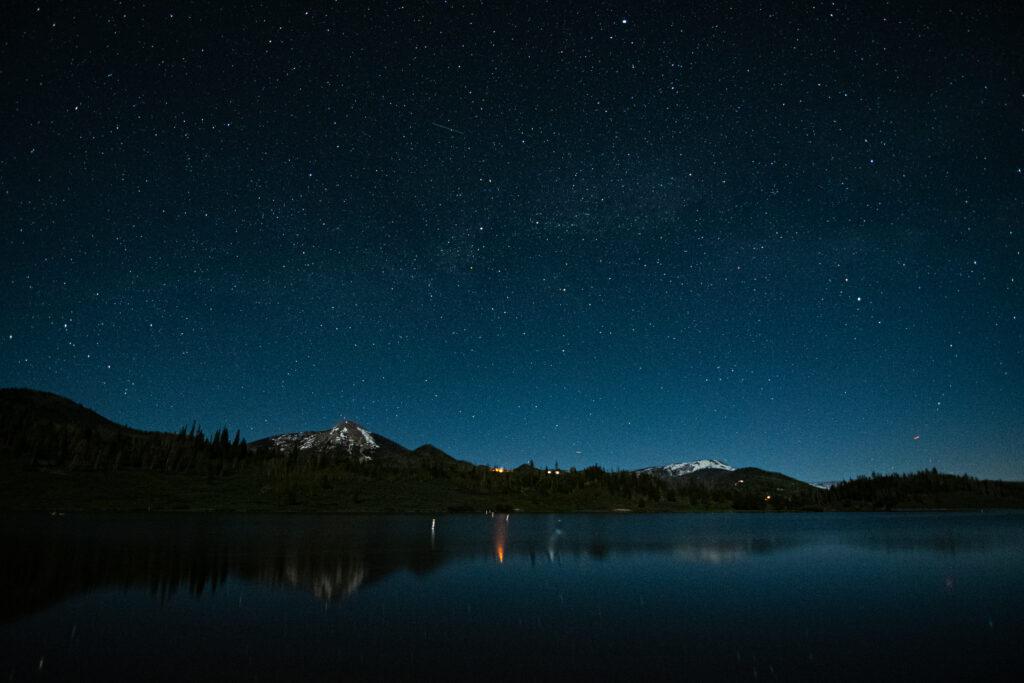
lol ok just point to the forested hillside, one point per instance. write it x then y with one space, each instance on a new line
58 455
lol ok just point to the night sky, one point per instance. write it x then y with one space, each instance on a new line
787 236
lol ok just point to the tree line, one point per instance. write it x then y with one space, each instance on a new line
107 447
102 446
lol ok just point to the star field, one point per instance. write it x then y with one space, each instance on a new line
784 237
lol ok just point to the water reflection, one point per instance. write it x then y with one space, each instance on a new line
500 535
330 557
728 551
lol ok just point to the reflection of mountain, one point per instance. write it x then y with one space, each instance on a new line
50 559
719 551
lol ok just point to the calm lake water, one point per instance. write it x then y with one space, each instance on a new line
689 597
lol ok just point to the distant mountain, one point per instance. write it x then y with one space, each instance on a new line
715 475
58 455
747 481
348 440
346 435
345 438
681 469
47 430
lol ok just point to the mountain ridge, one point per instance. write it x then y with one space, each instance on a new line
681 469
58 455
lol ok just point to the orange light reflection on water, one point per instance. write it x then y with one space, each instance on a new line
500 535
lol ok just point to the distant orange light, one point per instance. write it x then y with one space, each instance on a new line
499 470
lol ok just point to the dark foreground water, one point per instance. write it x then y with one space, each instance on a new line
687 597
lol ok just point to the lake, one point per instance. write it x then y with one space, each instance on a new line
688 596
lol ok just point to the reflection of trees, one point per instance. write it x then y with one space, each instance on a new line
49 559
946 544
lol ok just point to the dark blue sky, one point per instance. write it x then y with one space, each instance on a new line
785 237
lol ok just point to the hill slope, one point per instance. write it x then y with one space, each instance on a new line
61 456
58 455
26 409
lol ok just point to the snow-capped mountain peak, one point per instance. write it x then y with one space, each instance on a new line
346 434
352 435
680 469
